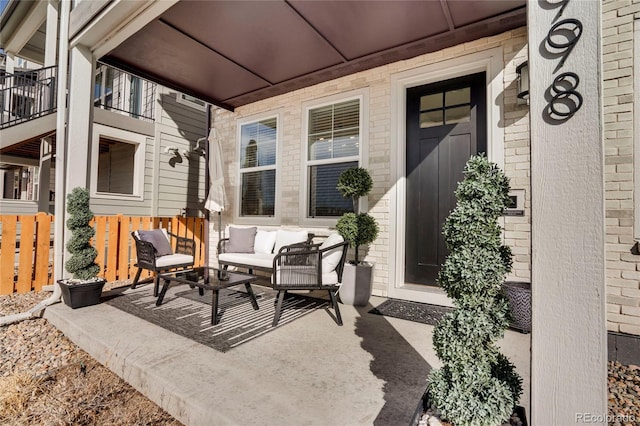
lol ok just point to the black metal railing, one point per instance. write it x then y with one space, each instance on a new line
26 95
30 94
119 91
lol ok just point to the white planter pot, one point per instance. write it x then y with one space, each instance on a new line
357 282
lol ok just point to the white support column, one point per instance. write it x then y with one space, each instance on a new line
79 118
44 175
51 41
10 63
569 349
61 144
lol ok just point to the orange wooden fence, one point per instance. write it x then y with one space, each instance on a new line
26 247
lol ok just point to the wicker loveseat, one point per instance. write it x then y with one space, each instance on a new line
257 248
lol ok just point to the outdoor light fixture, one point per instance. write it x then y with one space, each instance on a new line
171 150
523 82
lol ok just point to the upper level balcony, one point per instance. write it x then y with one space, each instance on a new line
29 94
26 95
124 93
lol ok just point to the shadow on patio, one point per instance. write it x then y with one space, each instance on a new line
307 371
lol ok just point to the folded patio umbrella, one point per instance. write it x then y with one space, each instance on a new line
217 198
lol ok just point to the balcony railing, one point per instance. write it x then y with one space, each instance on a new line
30 94
119 91
26 95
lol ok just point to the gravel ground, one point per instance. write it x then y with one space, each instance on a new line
35 349
47 379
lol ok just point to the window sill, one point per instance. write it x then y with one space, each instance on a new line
109 196
256 220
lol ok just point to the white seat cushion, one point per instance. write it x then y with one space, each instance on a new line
285 237
173 259
330 278
265 240
331 258
262 260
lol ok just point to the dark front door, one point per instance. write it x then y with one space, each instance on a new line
446 124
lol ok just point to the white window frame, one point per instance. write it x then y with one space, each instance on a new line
258 220
180 98
125 136
362 158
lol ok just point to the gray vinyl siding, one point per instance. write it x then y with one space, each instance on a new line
18 207
180 178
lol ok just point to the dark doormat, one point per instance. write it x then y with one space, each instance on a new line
411 311
188 314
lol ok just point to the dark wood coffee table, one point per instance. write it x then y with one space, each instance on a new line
207 278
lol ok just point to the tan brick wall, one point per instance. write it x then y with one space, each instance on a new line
517 157
377 81
623 268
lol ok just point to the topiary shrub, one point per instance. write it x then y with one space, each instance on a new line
477 385
82 261
356 228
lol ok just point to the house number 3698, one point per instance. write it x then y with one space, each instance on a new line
561 39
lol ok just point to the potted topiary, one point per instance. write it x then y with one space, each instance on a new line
357 229
84 288
477 385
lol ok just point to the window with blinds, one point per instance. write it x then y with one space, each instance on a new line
333 145
258 150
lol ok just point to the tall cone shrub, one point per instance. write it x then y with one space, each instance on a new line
82 261
477 385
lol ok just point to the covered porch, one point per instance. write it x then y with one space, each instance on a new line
568 284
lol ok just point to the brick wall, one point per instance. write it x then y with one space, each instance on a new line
623 268
377 82
517 157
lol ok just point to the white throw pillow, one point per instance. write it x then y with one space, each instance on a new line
331 258
265 241
284 238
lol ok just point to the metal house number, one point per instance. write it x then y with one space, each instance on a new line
561 39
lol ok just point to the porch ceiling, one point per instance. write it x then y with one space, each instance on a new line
29 148
232 53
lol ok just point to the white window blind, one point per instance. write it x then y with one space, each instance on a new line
333 145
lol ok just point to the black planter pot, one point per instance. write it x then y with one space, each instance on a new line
81 294
425 403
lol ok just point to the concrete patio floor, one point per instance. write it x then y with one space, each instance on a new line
372 370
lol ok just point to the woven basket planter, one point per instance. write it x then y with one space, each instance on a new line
519 295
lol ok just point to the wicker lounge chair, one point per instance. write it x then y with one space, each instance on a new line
153 249
310 267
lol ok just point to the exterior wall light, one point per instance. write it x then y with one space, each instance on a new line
523 82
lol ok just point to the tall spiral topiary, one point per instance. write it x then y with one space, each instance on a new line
82 261
477 385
